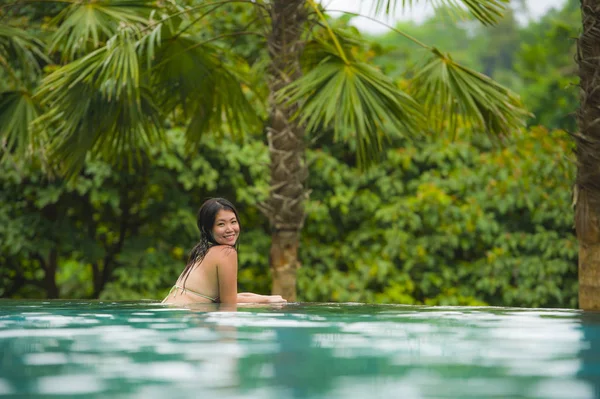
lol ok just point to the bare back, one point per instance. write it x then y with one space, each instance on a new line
202 282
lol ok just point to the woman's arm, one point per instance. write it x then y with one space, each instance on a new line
249 297
227 267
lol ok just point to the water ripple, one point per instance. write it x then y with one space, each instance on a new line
144 349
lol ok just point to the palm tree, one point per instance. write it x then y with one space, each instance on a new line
587 187
20 54
131 65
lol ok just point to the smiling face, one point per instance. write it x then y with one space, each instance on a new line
226 229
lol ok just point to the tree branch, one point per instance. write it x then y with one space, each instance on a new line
188 10
331 34
42 261
196 20
109 259
409 37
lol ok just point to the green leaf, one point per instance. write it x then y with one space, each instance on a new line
98 103
486 11
17 111
207 83
85 26
19 50
451 91
356 100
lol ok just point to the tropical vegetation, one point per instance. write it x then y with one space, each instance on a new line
462 207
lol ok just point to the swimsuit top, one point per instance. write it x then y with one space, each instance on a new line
184 290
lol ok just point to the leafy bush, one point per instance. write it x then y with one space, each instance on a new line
442 221
445 222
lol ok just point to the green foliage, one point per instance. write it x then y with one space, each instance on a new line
545 63
398 56
445 222
536 60
486 11
454 92
20 53
128 68
364 100
124 69
439 222
21 59
121 233
82 28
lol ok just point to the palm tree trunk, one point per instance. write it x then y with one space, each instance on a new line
285 205
587 188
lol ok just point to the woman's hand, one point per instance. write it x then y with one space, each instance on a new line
275 299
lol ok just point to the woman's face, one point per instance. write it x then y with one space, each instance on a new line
226 229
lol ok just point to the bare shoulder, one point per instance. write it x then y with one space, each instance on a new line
225 252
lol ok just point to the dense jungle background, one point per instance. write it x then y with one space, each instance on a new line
447 218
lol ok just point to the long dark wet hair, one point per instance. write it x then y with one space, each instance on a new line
206 220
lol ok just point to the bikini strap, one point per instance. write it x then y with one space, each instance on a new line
184 290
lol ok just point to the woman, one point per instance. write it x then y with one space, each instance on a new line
210 275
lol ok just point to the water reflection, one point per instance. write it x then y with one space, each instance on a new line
296 351
589 353
460 353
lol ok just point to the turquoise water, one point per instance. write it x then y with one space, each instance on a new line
88 349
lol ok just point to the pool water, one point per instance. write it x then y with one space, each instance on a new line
92 349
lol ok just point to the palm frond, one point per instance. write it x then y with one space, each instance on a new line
18 110
486 11
20 58
85 26
451 91
357 101
102 102
199 79
149 42
320 46
20 51
99 104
